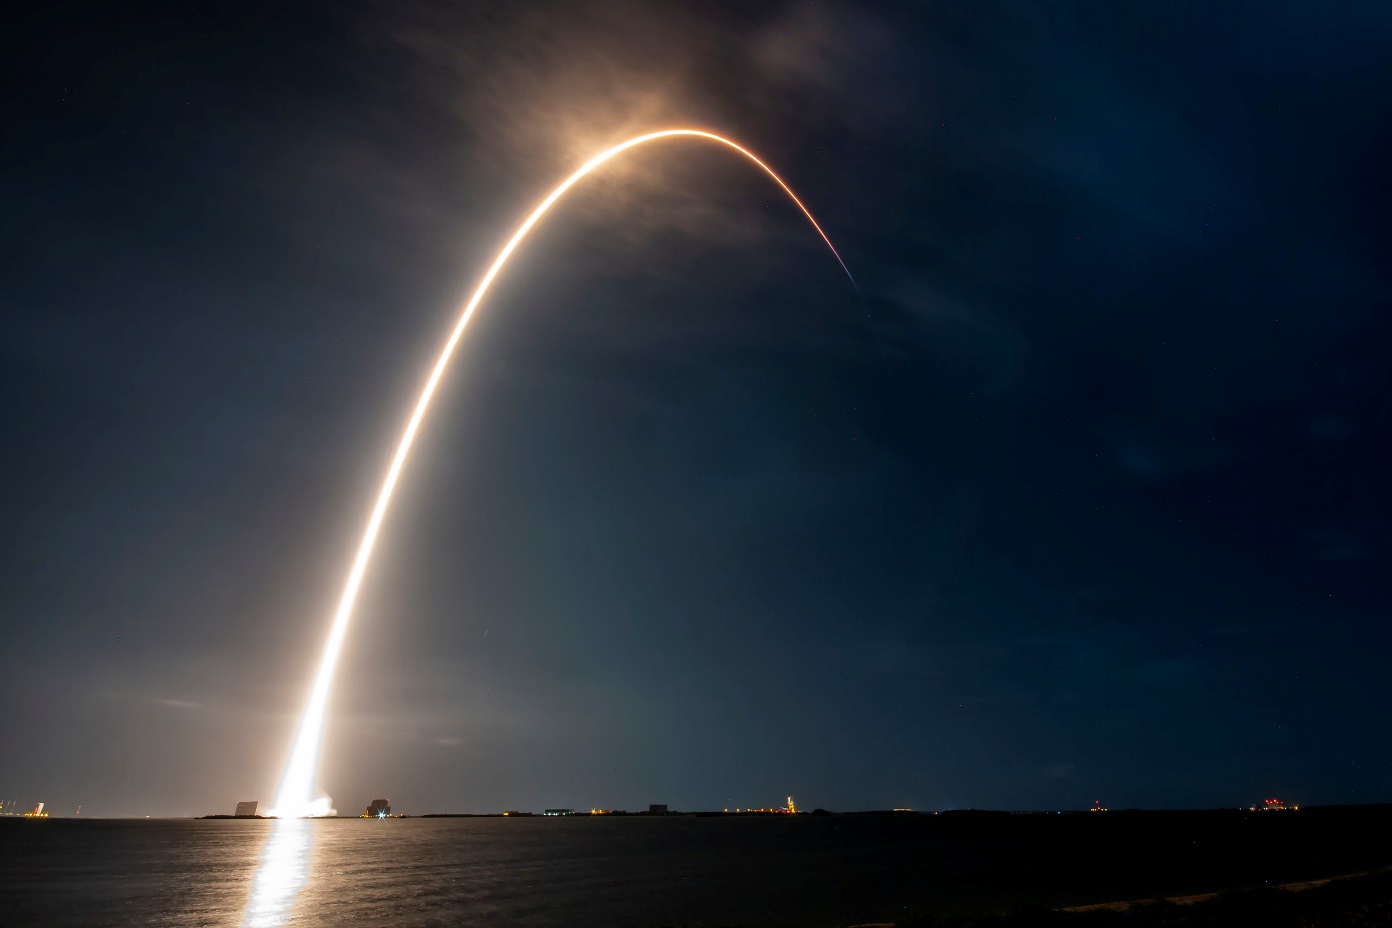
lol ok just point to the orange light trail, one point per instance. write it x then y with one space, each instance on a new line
294 798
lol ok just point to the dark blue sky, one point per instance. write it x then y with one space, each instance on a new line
1083 496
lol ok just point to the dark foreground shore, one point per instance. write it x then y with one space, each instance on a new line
804 871
1354 902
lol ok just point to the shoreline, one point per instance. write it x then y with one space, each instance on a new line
1297 886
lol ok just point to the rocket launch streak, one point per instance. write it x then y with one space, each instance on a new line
297 786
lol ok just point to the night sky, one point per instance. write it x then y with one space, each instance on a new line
1084 494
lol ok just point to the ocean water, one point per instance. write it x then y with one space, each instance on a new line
637 871
416 872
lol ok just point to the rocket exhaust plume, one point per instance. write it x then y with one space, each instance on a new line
296 796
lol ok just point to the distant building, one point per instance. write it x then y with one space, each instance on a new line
657 809
515 814
248 808
559 812
377 808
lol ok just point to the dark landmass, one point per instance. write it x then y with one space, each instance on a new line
1357 902
205 817
748 813
1065 860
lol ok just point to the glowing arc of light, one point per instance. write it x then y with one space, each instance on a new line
297 785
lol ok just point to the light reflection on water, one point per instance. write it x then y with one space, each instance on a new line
630 872
282 873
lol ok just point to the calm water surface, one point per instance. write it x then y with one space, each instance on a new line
527 872
809 870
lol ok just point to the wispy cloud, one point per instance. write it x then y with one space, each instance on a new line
178 703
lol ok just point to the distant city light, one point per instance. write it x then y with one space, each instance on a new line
789 809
